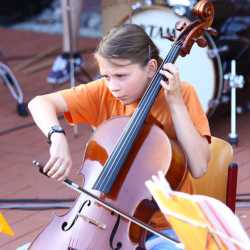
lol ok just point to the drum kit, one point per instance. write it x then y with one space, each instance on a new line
211 70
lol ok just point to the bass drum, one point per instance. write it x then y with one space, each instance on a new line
204 73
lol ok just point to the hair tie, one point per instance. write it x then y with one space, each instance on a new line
149 52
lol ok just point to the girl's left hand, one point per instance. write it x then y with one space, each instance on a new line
171 84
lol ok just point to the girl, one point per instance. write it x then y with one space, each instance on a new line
127 59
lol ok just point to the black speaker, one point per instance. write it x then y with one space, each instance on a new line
14 11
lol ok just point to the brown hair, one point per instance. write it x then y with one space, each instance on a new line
128 41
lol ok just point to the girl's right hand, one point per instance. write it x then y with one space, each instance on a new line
60 163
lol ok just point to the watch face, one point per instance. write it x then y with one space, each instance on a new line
57 128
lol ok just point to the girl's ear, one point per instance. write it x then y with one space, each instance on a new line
152 66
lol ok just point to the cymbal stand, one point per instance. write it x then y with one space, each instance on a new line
14 87
235 81
243 200
71 53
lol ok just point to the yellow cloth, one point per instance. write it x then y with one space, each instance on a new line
4 226
178 210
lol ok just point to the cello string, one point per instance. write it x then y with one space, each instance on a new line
129 129
135 121
114 167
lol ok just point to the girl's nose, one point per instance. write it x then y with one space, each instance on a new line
113 85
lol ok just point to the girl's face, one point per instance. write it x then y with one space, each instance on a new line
127 81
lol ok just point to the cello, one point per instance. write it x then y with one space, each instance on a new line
121 155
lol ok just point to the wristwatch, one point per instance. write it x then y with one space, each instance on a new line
54 129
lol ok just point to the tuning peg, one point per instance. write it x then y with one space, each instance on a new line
212 32
180 25
170 36
202 42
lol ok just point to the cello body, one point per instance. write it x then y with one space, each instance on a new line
89 226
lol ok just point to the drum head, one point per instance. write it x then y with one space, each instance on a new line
197 68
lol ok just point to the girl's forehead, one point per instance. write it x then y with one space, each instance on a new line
107 65
113 61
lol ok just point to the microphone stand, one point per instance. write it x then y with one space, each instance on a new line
235 81
71 54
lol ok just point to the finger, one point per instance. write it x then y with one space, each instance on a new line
60 172
167 75
49 164
165 85
55 167
172 71
172 68
66 173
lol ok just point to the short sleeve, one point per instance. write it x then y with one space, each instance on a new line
196 111
83 103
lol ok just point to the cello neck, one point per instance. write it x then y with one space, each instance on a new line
118 156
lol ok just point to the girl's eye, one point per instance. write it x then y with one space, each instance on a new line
106 77
121 76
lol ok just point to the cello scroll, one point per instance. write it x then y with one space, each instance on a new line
193 32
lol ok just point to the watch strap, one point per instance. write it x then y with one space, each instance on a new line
54 129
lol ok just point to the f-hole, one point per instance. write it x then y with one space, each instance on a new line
65 226
113 233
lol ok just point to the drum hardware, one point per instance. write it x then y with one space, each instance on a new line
14 87
140 4
180 10
212 53
239 50
243 200
148 2
242 109
186 3
181 7
136 6
213 103
235 81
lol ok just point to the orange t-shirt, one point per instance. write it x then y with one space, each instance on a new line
93 103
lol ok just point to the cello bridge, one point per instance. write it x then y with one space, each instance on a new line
92 221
